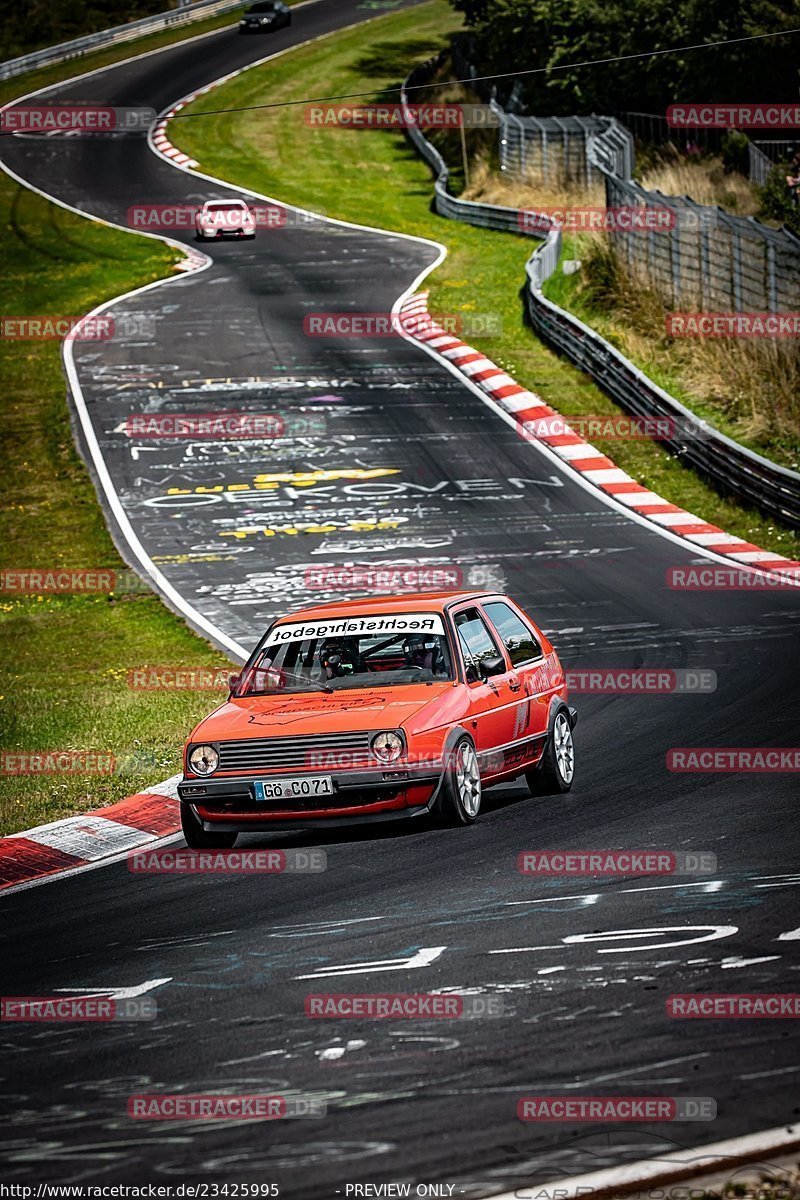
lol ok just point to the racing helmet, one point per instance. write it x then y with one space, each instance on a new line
338 657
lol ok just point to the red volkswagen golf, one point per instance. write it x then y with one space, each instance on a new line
376 709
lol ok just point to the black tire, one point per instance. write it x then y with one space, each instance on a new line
555 771
198 839
461 782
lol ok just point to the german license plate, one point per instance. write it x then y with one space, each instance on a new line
303 787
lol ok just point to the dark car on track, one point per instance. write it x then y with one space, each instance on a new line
265 16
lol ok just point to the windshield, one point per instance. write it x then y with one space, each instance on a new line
225 205
349 653
266 7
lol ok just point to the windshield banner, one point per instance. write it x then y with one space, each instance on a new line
358 627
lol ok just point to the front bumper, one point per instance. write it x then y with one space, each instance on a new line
360 797
210 234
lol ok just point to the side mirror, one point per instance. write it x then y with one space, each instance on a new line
471 675
234 682
495 665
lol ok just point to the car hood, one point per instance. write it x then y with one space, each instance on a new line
320 712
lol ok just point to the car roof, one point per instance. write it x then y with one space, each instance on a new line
408 602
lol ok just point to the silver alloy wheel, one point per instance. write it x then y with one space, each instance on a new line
562 743
468 779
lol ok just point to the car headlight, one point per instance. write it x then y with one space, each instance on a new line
243 22
204 760
387 746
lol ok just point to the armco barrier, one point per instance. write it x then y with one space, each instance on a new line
488 216
111 37
733 468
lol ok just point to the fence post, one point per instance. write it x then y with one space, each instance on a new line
772 283
705 268
736 263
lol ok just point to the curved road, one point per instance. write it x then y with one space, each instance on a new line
424 1101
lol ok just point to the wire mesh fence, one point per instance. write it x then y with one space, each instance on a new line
703 257
718 260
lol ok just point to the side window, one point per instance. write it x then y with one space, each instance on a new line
476 641
518 640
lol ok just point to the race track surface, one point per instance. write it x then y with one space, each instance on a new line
426 1101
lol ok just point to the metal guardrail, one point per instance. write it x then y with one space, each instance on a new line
111 37
709 257
759 165
733 468
472 212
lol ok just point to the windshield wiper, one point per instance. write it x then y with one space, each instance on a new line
306 684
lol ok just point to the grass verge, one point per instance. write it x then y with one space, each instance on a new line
749 389
64 659
376 178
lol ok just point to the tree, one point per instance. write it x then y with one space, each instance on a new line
548 36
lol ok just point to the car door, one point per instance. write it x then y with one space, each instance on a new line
493 698
528 666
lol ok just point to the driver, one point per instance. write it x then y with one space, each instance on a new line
420 650
339 657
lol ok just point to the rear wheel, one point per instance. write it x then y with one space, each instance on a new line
198 839
460 797
556 769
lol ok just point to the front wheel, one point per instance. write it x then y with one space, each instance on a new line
460 798
198 839
556 769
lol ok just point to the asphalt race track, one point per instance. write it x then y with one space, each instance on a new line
234 957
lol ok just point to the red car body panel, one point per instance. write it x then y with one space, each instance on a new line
314 734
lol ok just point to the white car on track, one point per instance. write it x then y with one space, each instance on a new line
224 218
